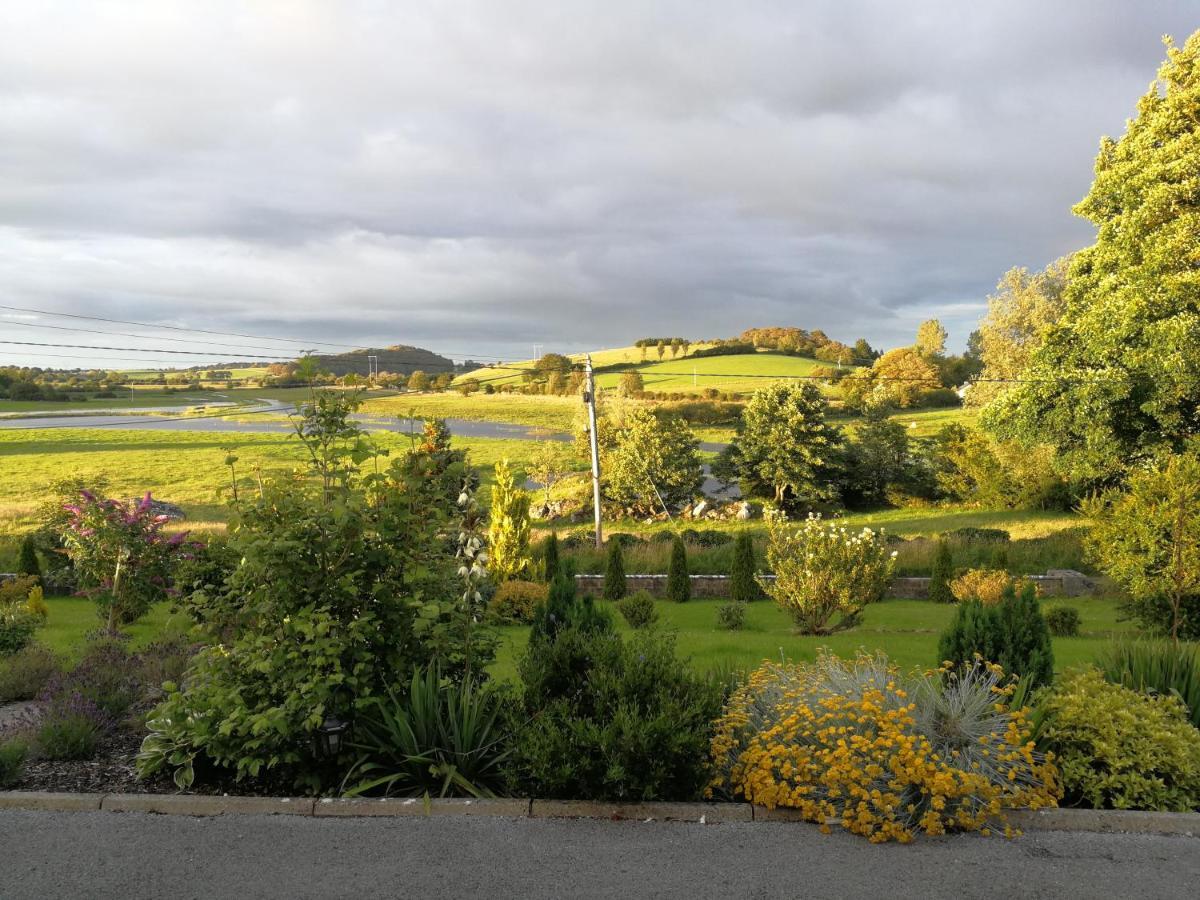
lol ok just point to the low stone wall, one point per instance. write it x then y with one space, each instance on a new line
1055 583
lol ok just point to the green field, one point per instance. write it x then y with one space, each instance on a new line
141 397
541 411
601 359
183 467
721 372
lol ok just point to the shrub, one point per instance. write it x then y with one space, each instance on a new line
550 561
1119 749
347 582
743 587
824 575
708 537
515 601
12 761
121 555
939 578
508 526
440 739
639 610
16 590
985 585
1012 633
36 604
614 572
24 674
1147 539
28 563
1063 621
1159 667
887 754
619 721
70 727
970 533
679 582
732 615
108 677
17 625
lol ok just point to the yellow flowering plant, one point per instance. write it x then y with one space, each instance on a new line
885 755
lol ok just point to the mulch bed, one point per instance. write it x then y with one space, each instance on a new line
112 771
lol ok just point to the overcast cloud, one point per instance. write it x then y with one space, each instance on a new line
477 177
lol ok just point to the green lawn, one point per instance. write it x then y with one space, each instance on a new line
907 630
72 618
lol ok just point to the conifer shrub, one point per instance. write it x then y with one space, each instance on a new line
28 562
743 586
679 582
605 719
1063 621
614 572
550 561
638 609
1012 634
943 571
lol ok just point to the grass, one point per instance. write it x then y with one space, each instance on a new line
721 372
141 397
72 618
907 630
615 356
183 467
540 411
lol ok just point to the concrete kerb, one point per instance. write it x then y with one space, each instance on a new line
415 806
1076 820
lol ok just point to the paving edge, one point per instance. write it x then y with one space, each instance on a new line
1077 820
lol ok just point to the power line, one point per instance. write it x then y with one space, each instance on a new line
141 350
48 312
304 341
143 337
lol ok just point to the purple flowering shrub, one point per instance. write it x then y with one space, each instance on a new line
70 727
120 555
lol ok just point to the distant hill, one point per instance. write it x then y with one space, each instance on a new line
399 358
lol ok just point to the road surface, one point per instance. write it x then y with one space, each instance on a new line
128 855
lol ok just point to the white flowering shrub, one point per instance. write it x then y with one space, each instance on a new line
824 573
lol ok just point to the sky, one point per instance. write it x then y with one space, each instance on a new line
478 178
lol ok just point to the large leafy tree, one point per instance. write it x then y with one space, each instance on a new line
931 338
1022 310
1118 378
784 448
898 378
653 460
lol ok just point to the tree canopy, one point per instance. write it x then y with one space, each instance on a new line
1117 379
784 449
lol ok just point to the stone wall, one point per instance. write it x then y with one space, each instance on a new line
1055 583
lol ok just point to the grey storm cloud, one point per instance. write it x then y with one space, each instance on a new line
475 177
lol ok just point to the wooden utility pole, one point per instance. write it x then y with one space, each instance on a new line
589 397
